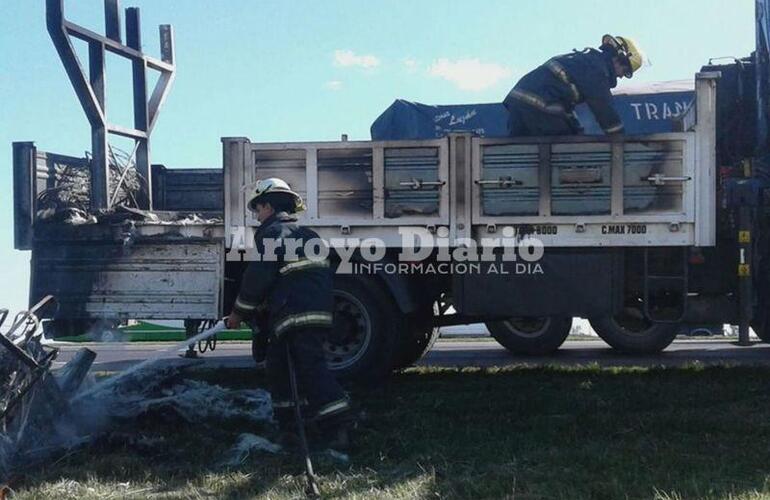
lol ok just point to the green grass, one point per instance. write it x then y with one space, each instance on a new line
528 433
147 332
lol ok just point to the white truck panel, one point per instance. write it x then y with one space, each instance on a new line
578 191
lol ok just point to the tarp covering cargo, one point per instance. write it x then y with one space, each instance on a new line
645 109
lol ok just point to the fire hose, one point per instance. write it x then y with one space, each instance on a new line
209 343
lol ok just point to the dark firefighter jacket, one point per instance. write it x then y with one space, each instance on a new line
293 291
565 81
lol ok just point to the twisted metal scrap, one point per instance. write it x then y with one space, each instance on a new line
72 185
15 375
24 365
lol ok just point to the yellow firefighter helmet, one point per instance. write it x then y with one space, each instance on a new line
628 49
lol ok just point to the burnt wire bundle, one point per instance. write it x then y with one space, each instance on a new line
17 381
71 185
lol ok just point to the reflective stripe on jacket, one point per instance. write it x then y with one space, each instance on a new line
565 81
293 290
303 320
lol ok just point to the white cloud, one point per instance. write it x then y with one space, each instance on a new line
346 58
333 85
469 74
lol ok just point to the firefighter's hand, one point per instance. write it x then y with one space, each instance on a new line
233 322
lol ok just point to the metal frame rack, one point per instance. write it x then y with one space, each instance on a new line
91 89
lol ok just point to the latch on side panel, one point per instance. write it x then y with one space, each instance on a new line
504 182
419 183
662 180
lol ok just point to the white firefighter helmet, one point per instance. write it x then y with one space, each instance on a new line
272 185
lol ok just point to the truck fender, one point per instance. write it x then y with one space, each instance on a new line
398 287
395 284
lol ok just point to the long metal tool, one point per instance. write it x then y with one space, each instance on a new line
312 490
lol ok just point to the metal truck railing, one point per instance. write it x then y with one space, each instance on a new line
167 265
581 191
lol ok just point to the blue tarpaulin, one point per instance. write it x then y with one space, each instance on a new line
645 110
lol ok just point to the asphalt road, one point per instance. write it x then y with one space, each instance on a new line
455 353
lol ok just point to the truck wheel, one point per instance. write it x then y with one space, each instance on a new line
530 335
635 335
417 338
361 342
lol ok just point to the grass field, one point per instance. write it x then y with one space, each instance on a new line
148 332
436 433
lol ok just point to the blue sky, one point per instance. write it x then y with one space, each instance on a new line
302 70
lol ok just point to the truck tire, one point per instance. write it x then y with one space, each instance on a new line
531 336
360 345
417 338
632 335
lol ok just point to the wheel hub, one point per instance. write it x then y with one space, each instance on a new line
351 332
527 326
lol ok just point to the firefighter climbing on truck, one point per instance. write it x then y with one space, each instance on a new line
543 101
290 297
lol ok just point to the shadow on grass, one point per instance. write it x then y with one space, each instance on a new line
581 432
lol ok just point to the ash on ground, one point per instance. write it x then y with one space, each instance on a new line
131 410
163 393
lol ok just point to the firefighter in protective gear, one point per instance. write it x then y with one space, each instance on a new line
543 102
290 295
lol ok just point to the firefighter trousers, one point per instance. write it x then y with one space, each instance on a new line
323 399
527 121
